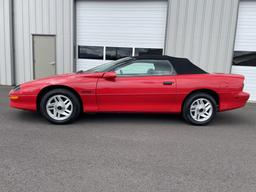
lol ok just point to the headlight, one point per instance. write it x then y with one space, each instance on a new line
16 88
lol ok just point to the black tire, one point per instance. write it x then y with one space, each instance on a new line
187 107
71 96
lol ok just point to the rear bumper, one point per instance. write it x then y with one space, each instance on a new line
233 101
26 102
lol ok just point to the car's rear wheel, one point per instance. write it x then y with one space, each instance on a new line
60 106
199 109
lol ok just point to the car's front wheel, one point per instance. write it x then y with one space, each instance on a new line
60 106
199 109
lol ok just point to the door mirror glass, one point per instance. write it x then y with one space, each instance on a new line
109 75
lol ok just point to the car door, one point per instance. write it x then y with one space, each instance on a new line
139 86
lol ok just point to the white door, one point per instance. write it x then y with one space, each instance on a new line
244 61
108 30
44 56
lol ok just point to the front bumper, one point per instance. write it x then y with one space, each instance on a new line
22 101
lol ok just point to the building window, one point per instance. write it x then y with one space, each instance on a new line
114 53
148 51
244 58
90 52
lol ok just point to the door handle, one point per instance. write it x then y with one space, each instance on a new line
52 63
167 83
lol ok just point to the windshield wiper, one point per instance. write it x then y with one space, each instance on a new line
80 71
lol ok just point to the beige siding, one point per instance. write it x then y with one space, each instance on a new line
6 77
203 31
47 17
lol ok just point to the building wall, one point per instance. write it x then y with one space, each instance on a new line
203 31
6 63
53 17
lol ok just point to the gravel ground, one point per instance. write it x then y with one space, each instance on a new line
127 152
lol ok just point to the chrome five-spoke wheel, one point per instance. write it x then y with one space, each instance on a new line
59 107
201 109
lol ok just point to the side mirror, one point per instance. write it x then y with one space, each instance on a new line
109 75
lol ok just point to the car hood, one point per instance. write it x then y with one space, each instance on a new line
59 79
50 79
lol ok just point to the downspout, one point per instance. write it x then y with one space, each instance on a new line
12 51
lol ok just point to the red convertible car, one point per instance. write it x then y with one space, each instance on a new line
159 84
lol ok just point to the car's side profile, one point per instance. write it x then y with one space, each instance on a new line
135 84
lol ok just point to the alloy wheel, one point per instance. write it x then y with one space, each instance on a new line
59 107
201 109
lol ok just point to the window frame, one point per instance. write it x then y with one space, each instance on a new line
81 46
117 49
138 48
142 75
244 54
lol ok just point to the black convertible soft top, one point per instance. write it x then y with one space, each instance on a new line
181 65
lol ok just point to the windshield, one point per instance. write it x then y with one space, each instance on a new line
106 66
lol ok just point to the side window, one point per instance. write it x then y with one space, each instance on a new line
148 51
114 53
137 68
244 58
163 67
146 68
90 52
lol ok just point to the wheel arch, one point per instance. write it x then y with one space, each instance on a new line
211 92
52 87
